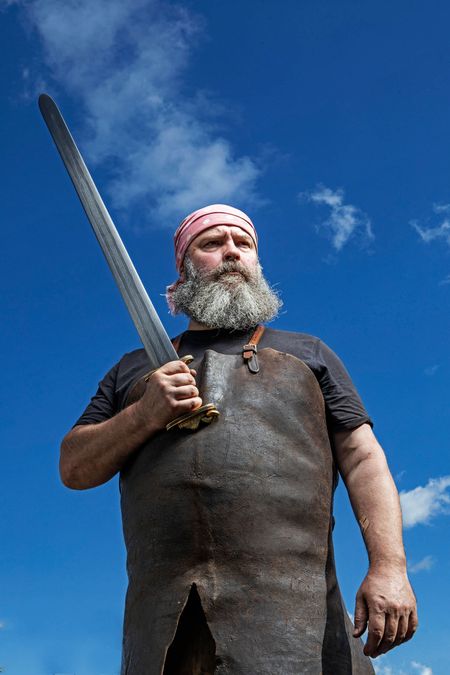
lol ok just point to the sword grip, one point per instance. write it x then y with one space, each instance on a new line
192 420
203 415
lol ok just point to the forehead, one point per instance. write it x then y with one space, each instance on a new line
223 231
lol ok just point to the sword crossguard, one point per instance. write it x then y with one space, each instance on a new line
203 415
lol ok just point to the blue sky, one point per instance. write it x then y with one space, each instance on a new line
329 123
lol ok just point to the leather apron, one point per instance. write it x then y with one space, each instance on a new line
242 508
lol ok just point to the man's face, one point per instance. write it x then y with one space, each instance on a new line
223 243
223 285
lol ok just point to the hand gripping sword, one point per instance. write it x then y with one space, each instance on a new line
156 342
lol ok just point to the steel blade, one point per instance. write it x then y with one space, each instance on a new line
148 324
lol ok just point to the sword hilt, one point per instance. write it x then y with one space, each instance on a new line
192 420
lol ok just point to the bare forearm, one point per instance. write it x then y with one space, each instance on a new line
385 601
92 454
376 505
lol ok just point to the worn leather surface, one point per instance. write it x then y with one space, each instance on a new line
242 508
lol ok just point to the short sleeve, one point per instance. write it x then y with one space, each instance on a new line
103 405
345 410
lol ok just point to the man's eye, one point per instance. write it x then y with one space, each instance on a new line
210 244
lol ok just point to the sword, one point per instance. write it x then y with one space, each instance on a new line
154 338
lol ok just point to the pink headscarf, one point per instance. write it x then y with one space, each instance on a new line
203 219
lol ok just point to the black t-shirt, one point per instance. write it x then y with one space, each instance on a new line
344 407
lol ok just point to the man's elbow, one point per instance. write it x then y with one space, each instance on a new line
358 451
69 475
69 468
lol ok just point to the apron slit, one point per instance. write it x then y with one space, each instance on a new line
193 649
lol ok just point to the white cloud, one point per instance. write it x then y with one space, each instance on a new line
425 564
445 281
425 502
441 208
383 667
421 669
431 370
440 231
124 63
345 220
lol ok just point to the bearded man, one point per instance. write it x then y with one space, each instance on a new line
228 529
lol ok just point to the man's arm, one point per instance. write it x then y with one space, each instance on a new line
91 454
385 600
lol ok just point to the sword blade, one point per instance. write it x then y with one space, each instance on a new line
156 342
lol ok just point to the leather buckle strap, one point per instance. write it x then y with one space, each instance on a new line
250 351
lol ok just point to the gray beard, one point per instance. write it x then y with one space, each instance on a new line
219 299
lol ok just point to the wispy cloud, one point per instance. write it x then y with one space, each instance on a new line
423 503
421 669
445 281
425 564
440 231
431 370
124 62
344 221
383 667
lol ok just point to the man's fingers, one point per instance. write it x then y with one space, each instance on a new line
376 631
188 404
188 391
390 634
402 629
413 624
361 616
181 379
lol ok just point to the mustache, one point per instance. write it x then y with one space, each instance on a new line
229 267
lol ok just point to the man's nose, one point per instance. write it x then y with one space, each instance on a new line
231 251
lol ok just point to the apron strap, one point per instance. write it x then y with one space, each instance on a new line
250 350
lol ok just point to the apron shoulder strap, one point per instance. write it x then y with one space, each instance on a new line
250 350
